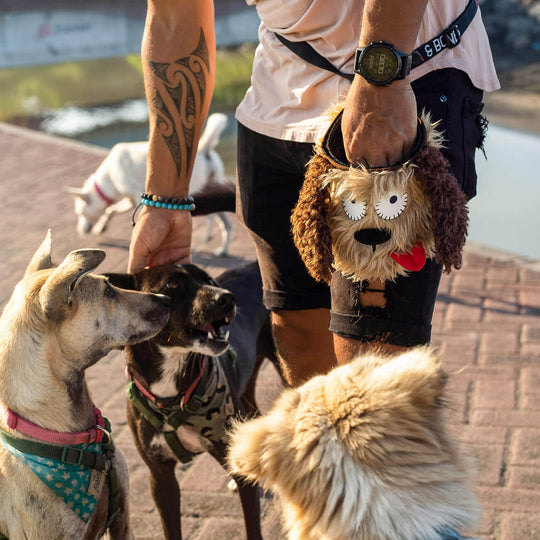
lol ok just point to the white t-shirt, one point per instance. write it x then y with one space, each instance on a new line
288 96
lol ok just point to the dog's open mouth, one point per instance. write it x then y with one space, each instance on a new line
212 337
215 331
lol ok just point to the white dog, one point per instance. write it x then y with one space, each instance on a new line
118 182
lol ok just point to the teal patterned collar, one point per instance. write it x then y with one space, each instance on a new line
77 485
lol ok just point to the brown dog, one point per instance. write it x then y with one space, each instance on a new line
186 384
58 322
362 453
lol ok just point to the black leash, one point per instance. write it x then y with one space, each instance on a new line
447 39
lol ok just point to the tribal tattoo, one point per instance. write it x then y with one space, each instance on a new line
183 82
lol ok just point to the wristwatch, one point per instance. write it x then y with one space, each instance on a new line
381 63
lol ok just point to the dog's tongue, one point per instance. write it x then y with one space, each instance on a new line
413 261
209 329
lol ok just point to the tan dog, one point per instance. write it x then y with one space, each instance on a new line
58 322
362 454
377 224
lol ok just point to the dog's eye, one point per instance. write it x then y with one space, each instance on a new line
355 210
391 205
173 284
109 291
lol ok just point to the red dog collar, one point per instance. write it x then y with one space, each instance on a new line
20 424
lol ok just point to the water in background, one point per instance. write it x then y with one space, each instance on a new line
505 215
506 212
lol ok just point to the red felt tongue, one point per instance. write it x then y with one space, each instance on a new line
413 261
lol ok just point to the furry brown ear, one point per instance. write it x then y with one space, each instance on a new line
310 222
449 212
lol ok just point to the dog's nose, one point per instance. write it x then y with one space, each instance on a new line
226 301
372 237
163 300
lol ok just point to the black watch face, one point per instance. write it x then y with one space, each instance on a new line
380 63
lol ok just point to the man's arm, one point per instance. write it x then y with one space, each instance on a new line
379 122
178 57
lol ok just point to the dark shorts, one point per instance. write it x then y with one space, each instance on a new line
270 175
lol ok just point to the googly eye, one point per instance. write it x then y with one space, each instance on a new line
391 205
355 210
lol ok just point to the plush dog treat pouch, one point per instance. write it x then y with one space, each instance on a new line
377 224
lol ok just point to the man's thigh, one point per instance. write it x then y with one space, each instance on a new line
270 175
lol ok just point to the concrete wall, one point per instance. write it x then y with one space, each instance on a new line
58 34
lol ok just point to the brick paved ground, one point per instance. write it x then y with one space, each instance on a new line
487 323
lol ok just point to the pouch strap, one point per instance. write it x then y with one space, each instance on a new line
449 38
305 51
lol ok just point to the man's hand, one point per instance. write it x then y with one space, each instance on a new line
160 237
379 123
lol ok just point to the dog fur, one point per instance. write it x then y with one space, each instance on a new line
361 453
58 322
433 217
168 363
122 174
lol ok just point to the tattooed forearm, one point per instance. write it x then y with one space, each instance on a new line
179 93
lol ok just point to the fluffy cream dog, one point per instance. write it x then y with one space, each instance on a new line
362 453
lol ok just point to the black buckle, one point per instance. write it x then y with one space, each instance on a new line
193 405
452 36
72 456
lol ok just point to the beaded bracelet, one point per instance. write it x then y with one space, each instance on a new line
169 203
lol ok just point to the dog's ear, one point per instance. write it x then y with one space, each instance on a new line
124 281
41 260
56 294
77 192
415 375
449 212
310 222
244 458
261 449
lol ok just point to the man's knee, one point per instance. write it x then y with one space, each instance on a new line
304 343
346 349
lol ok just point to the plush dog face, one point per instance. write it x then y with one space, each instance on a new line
201 311
379 222
361 453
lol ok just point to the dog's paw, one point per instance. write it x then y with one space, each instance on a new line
221 252
232 485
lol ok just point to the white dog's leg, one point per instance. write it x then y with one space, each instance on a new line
208 231
225 227
121 206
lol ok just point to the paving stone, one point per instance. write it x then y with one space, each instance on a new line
526 446
523 477
501 395
516 526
